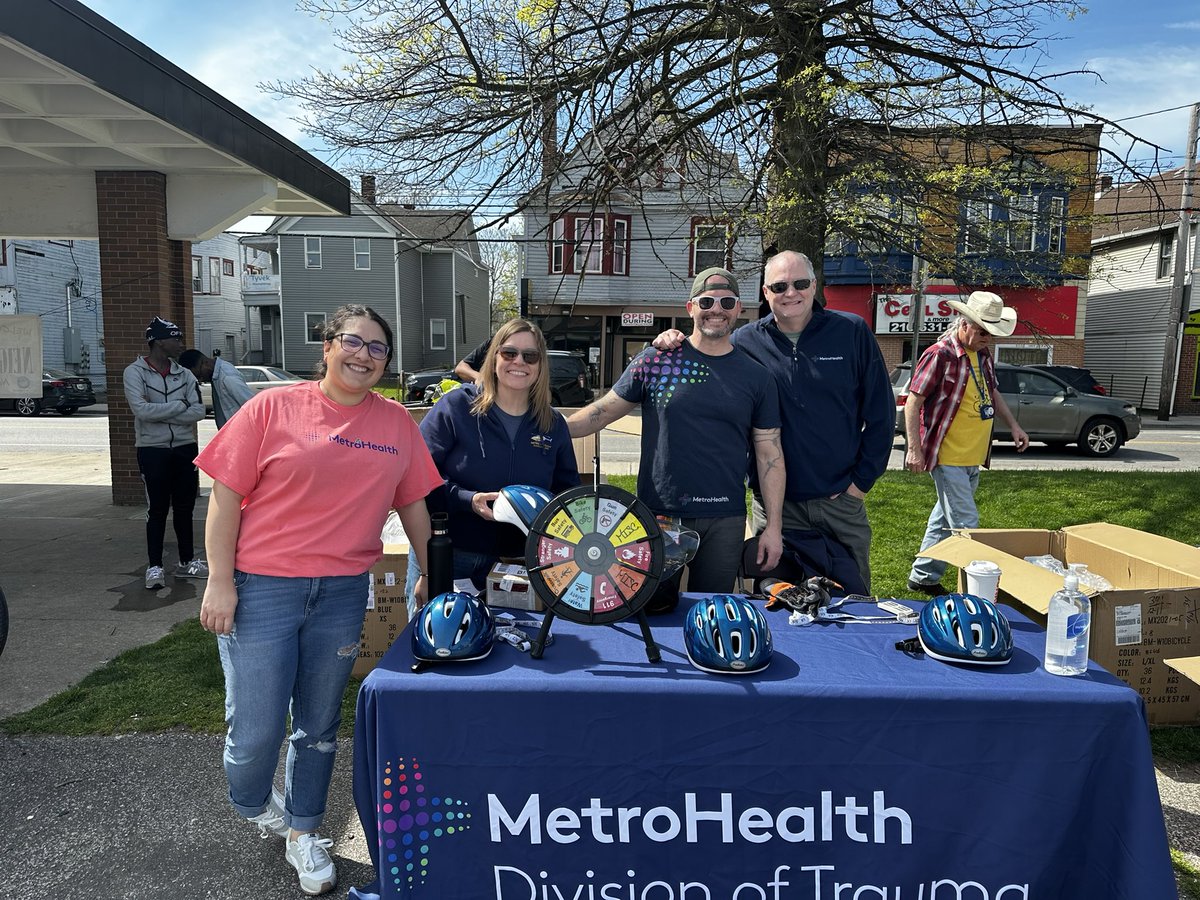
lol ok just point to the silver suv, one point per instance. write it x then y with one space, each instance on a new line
1050 411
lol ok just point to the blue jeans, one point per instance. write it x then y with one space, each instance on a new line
954 510
293 644
467 564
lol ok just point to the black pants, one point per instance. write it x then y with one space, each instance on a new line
172 482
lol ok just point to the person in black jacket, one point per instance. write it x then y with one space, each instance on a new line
164 398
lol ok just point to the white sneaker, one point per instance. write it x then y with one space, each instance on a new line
308 854
155 578
271 820
197 568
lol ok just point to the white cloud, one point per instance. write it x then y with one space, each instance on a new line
1147 79
1193 25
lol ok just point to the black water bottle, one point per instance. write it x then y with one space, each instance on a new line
440 556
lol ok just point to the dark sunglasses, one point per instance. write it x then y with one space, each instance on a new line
707 302
530 356
800 284
353 343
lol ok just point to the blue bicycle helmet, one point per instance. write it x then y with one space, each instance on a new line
963 628
519 504
453 627
727 635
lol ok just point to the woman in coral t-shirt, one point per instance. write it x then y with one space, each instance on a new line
304 477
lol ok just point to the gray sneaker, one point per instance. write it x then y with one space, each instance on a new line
197 568
308 854
271 820
155 578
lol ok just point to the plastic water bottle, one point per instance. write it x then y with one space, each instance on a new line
440 556
1068 629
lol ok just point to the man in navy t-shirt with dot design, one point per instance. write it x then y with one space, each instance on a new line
705 411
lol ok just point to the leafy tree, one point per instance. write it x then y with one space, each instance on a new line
829 107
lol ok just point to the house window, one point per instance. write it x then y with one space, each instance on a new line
620 246
589 245
598 244
227 267
711 246
3 252
1166 249
1057 225
1030 222
314 328
437 334
558 244
214 275
977 229
197 275
460 307
63 243
1022 222
362 254
312 253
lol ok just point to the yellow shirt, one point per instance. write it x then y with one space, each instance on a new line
969 435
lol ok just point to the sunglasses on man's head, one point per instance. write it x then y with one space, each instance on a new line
707 302
800 284
353 343
530 356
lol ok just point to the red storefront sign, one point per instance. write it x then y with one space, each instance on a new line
1047 311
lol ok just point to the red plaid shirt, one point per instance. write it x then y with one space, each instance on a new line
941 377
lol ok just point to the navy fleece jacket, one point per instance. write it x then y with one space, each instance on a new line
474 454
835 398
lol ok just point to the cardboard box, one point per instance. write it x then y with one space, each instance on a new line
508 586
1151 614
387 613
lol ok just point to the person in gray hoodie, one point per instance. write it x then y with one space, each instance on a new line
165 400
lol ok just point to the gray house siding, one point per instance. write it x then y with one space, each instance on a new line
41 273
323 290
410 336
319 225
475 325
438 287
659 261
1128 307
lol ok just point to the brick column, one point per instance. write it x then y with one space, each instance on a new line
143 274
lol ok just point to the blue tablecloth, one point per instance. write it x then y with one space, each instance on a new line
846 766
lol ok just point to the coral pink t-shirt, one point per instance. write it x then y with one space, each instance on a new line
317 479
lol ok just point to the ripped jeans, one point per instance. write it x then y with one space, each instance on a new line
293 644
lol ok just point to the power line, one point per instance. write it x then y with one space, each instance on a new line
1155 113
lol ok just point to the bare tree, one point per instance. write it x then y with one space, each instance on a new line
828 107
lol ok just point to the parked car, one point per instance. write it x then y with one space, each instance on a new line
1051 411
569 379
258 378
1076 376
418 382
62 391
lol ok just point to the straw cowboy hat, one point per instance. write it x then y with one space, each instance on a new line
987 311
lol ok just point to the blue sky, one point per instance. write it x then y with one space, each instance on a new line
1147 53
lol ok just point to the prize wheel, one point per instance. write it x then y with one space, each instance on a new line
594 555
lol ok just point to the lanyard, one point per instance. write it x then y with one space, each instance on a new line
983 394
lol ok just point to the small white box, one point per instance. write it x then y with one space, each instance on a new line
508 586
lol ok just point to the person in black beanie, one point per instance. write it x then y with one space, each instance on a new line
165 400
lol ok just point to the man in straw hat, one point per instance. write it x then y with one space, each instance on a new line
952 401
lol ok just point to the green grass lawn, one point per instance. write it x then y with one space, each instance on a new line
177 682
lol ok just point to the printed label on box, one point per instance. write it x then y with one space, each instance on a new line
1127 624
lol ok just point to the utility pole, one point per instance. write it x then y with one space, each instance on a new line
916 311
1175 312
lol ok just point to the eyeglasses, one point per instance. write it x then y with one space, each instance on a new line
707 302
530 356
353 343
800 284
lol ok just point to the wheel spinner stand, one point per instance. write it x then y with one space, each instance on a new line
595 556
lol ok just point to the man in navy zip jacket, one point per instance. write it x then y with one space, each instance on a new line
835 400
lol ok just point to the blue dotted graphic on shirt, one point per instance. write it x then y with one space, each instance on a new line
665 371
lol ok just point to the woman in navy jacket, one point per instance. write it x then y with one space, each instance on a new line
489 435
